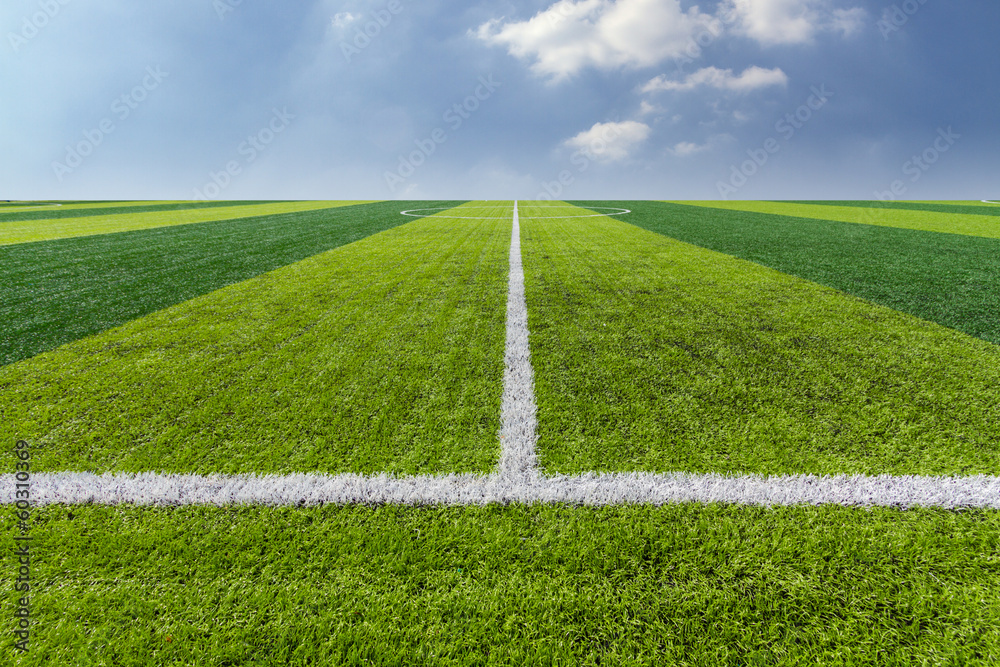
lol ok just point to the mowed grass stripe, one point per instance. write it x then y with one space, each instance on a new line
54 292
682 584
384 355
962 207
950 279
656 355
46 230
35 206
59 210
953 222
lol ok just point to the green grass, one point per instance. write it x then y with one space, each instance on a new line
13 206
951 279
50 228
954 221
384 355
951 202
962 207
55 292
676 585
655 355
39 211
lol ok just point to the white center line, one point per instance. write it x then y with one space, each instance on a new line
518 422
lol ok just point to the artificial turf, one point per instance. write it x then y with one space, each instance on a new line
47 230
951 279
518 585
655 355
965 208
384 355
81 203
54 292
960 220
81 210
630 585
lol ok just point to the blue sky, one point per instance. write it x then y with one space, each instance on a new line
577 99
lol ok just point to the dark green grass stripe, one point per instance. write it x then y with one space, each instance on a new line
54 292
985 209
678 585
950 279
57 213
67 202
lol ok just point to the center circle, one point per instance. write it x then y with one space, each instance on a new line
412 212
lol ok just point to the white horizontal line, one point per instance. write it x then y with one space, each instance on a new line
75 488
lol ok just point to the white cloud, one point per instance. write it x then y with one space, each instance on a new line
342 19
848 21
607 34
571 35
772 22
687 148
645 108
610 142
752 78
775 21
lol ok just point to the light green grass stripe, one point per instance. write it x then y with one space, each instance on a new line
77 206
384 355
655 355
969 225
44 230
955 202
677 585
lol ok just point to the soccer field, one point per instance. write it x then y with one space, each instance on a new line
638 433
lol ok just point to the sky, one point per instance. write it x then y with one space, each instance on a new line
504 99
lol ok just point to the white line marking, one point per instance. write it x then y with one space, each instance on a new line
593 489
518 423
987 201
517 479
410 212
